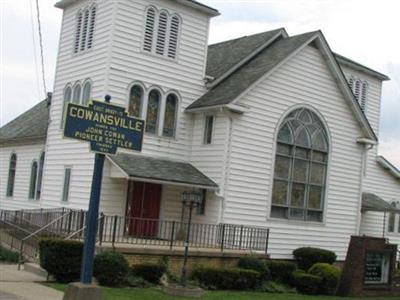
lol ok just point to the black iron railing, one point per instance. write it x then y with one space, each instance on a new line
70 224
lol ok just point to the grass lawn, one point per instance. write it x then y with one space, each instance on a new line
156 294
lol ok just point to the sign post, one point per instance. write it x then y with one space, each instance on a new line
107 127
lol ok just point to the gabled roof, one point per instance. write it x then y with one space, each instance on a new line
161 170
31 125
355 65
222 57
230 88
192 3
384 163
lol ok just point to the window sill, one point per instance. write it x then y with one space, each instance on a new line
159 56
296 222
160 137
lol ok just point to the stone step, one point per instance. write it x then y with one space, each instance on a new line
35 269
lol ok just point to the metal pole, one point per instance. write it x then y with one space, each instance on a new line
91 222
185 257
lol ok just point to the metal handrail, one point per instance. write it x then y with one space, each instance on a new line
15 226
35 233
81 229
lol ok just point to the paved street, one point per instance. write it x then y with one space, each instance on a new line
22 285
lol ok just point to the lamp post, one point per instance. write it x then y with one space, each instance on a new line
191 199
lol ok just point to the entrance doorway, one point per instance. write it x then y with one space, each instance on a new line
143 209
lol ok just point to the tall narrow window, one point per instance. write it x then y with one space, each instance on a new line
153 111
67 99
149 29
173 36
161 32
66 185
40 176
300 168
208 130
91 26
84 29
201 208
78 32
11 175
135 101
171 106
86 93
76 97
392 219
32 184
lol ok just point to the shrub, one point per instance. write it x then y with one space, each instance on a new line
255 264
330 276
281 270
306 283
227 279
149 272
275 287
7 255
110 268
61 258
137 282
306 257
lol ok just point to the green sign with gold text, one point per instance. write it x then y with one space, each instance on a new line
107 127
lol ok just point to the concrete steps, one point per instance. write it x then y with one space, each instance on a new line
35 269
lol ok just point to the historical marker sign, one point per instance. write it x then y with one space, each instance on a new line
106 126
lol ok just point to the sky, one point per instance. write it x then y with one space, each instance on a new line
364 30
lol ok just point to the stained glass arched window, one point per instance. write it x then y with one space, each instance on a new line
135 101
76 96
11 175
171 106
86 93
40 176
153 111
300 167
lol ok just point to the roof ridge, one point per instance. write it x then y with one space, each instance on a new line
245 36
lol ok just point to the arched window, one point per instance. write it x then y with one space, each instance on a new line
135 101
173 36
153 111
357 89
32 184
300 168
40 176
76 96
171 107
149 29
86 93
11 175
67 99
161 32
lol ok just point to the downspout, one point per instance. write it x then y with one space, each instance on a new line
363 173
226 170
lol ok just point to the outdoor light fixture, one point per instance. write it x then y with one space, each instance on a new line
191 199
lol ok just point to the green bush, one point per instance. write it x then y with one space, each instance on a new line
306 257
275 287
110 268
8 256
149 272
306 283
281 270
226 279
61 258
330 277
255 264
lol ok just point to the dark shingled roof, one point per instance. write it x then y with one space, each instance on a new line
32 124
372 202
244 77
145 167
223 56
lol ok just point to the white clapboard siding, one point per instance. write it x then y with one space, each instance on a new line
304 79
26 154
115 61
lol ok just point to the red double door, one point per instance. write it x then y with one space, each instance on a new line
143 208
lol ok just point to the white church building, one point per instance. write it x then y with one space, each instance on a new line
276 131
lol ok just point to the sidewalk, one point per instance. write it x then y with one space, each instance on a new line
22 285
